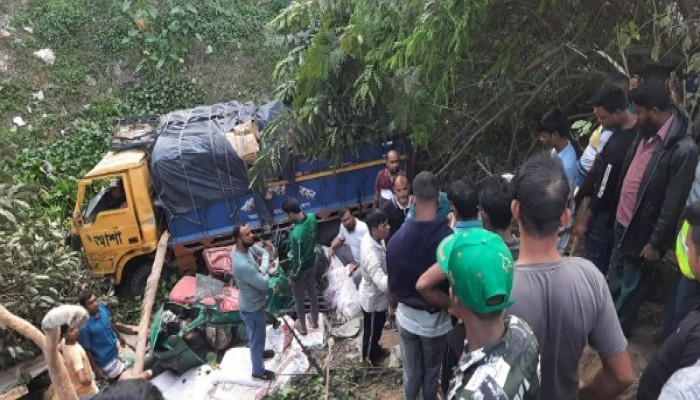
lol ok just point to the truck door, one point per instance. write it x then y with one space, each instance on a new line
107 224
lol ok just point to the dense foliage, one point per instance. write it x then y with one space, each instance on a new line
466 80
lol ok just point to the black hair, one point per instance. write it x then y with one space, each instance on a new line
236 232
617 78
655 71
495 197
398 175
375 218
465 198
425 187
131 389
291 205
612 98
555 121
345 210
542 188
652 93
85 296
692 215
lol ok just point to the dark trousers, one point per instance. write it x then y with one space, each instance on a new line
306 284
684 296
372 332
455 347
628 279
599 242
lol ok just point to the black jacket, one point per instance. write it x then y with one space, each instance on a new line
663 190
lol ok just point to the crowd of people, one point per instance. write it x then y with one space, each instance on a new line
484 313
480 311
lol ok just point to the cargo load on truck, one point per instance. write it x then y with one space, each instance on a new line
193 165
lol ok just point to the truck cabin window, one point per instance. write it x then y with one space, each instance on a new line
105 194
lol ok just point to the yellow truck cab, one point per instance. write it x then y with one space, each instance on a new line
114 217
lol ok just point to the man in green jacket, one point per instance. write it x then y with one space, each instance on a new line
302 261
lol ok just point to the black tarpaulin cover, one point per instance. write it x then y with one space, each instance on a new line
192 163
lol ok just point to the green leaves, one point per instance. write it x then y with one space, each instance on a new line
37 271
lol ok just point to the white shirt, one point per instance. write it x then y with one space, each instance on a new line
374 285
354 238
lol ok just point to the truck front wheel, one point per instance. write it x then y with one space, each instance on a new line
134 282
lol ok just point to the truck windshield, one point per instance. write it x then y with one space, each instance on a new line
105 194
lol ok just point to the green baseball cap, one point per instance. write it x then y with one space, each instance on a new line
479 267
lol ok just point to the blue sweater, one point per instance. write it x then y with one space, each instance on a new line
252 284
411 251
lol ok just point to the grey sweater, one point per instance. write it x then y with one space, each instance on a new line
251 282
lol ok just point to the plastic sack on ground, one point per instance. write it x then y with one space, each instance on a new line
349 300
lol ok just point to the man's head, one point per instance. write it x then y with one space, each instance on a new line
479 267
291 208
464 200
554 128
656 71
70 335
618 79
88 299
541 196
392 161
131 389
692 213
426 190
348 220
495 197
610 106
378 225
243 236
652 104
401 188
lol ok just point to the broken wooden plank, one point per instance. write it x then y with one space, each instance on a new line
15 393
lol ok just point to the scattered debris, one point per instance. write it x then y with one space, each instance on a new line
4 33
4 62
47 168
38 95
18 121
90 81
46 55
395 359
28 29
349 329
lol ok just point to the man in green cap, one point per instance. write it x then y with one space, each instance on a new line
501 358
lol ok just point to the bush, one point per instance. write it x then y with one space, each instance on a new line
162 95
36 271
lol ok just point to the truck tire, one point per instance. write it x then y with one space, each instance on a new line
327 231
134 282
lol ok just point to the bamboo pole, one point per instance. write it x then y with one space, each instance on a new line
148 299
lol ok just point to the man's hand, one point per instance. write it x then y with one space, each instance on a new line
650 256
580 229
100 374
331 253
352 267
129 374
122 341
292 284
